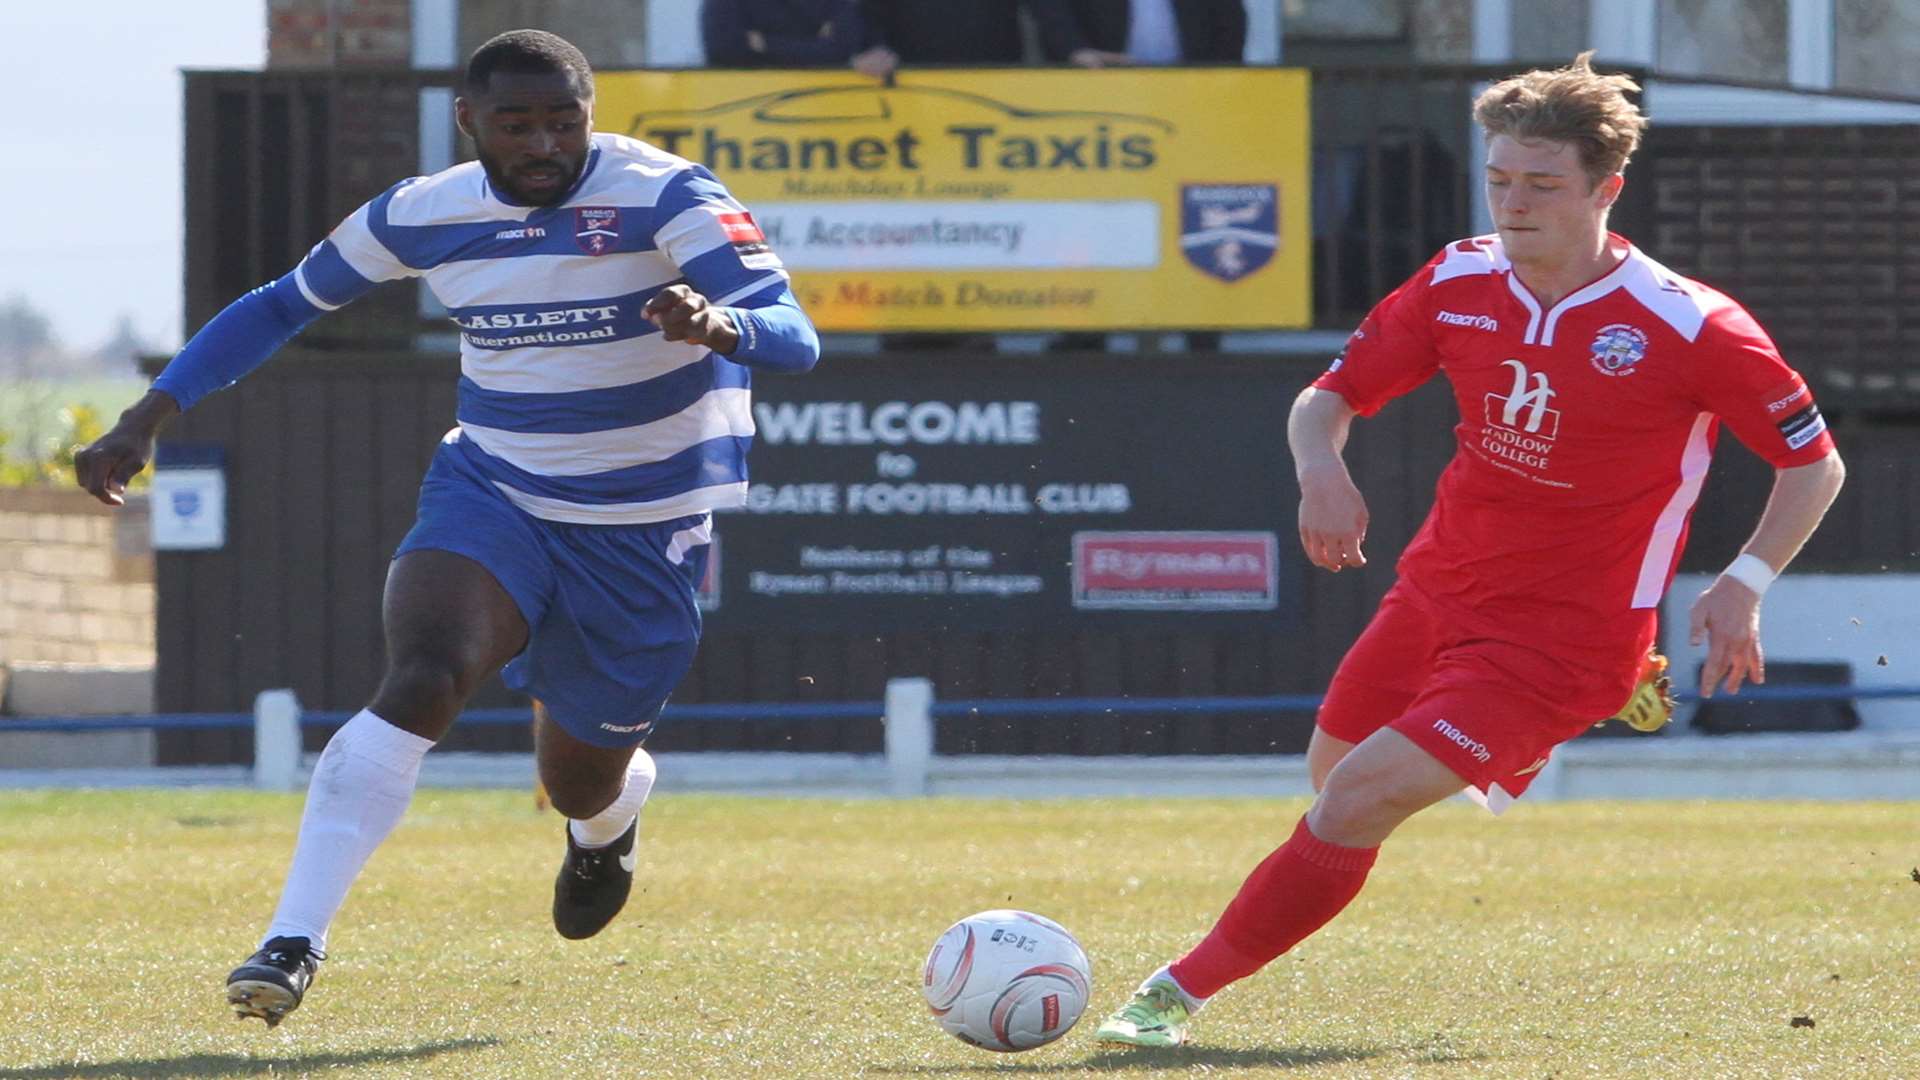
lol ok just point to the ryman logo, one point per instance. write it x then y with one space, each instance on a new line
596 228
1176 571
1802 427
1477 322
1229 230
1464 741
1793 395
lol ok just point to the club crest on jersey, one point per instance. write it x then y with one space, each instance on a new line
596 228
1617 348
1229 230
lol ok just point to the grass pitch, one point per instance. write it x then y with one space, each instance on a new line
773 939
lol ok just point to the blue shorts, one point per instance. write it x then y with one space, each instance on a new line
611 620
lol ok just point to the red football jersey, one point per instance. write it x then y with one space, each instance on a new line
1585 432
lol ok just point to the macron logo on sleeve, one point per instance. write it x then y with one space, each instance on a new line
1475 322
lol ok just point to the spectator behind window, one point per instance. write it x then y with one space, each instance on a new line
1103 33
782 33
957 32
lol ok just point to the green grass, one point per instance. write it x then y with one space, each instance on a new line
776 939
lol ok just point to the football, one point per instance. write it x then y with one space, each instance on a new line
1006 980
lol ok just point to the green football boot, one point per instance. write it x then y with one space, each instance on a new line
1157 1016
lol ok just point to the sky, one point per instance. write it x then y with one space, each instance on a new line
94 146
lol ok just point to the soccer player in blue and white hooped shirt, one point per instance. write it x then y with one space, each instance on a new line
611 298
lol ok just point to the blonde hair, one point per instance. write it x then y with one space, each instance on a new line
1573 104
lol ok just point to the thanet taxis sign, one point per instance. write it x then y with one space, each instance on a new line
1007 200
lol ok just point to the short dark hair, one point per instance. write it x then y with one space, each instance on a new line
528 52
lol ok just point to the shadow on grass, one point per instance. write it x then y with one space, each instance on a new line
1155 1060
212 1065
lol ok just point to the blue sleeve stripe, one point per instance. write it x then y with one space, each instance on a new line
770 285
720 460
576 411
765 294
424 247
689 189
719 274
326 280
383 232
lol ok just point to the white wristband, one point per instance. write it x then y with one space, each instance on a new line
1751 571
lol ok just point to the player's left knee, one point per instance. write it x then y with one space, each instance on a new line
1360 807
580 801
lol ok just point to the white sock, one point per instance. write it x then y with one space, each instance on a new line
361 786
607 826
1165 974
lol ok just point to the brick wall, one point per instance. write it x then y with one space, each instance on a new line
609 35
76 580
339 33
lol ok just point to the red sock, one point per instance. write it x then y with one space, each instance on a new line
1293 892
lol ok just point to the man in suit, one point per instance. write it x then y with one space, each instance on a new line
1102 33
782 33
939 32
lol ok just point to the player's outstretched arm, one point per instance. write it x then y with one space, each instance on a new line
233 343
1333 513
1726 617
239 339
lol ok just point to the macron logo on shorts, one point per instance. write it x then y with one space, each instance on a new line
1460 738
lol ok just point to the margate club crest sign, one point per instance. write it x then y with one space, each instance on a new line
1229 230
596 228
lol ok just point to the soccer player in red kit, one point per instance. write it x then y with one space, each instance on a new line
1591 383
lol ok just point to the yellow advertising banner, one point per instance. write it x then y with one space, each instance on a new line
1007 200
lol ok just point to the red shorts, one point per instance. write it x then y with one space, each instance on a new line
1487 709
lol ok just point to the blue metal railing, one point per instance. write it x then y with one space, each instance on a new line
160 721
515 717
977 708
1119 706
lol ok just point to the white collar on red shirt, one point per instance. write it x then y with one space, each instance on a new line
1670 297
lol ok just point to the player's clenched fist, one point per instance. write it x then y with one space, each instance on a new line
685 315
118 456
105 467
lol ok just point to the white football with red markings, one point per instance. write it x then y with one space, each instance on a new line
1006 980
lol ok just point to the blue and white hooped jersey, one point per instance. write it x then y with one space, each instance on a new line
570 402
